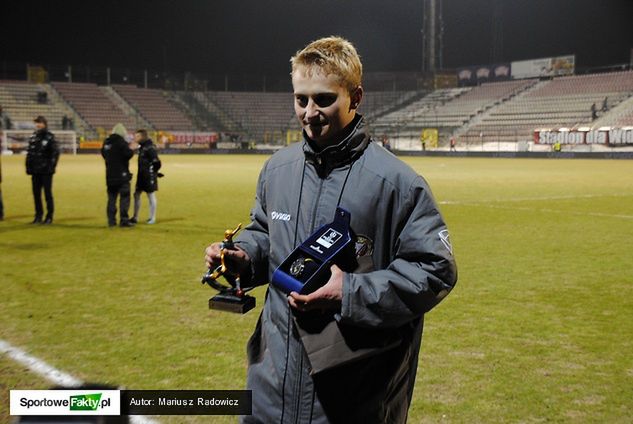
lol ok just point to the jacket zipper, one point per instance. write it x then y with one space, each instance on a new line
300 369
298 391
316 203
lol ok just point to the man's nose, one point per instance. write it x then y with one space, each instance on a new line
312 110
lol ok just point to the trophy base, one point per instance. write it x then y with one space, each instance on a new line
232 303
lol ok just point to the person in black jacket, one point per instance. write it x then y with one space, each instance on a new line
147 177
117 155
41 161
1 203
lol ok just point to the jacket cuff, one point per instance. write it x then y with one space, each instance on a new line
248 277
346 301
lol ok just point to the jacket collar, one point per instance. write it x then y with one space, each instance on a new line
346 151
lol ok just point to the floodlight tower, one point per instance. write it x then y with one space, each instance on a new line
497 31
432 35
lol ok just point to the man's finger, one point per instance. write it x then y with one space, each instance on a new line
298 301
302 298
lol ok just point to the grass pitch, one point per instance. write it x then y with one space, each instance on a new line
539 328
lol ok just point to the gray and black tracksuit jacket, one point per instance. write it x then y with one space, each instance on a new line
42 153
361 368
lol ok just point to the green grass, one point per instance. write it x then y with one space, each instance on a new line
539 328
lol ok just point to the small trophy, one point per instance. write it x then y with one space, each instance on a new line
231 298
308 267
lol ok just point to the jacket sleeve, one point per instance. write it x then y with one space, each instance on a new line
254 239
421 274
152 156
54 153
127 151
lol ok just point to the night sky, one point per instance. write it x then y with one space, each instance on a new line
258 37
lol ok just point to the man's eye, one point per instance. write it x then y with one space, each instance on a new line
302 101
324 100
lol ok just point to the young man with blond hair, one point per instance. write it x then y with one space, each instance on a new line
359 365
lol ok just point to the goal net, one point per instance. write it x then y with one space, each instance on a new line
17 141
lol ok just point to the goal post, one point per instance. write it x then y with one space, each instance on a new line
17 141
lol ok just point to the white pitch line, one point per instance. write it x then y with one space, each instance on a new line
530 199
38 366
545 210
52 374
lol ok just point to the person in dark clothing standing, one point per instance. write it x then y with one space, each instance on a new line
147 177
117 155
2 128
4 125
1 204
41 161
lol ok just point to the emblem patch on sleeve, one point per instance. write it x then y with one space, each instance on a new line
364 246
446 240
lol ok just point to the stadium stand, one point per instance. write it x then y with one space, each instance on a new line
618 116
256 113
560 102
95 107
155 108
498 112
20 101
448 108
234 111
378 103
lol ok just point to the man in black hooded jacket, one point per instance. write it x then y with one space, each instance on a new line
117 155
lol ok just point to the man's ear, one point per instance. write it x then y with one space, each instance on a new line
356 97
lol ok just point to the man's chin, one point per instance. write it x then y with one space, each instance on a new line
316 133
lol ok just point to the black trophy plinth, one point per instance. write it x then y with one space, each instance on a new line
232 303
231 298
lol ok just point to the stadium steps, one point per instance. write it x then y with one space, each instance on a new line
19 100
128 109
619 115
414 116
94 106
486 113
154 106
408 98
188 104
225 120
80 125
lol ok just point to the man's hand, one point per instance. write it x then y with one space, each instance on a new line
236 260
327 297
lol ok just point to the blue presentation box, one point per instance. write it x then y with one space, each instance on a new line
308 267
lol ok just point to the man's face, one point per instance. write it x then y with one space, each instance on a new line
322 105
138 137
40 125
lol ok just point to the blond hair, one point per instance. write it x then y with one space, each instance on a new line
331 55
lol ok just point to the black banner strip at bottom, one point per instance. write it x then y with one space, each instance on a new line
186 402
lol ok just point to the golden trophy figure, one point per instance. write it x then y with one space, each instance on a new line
231 298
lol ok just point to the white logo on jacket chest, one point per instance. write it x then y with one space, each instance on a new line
279 216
